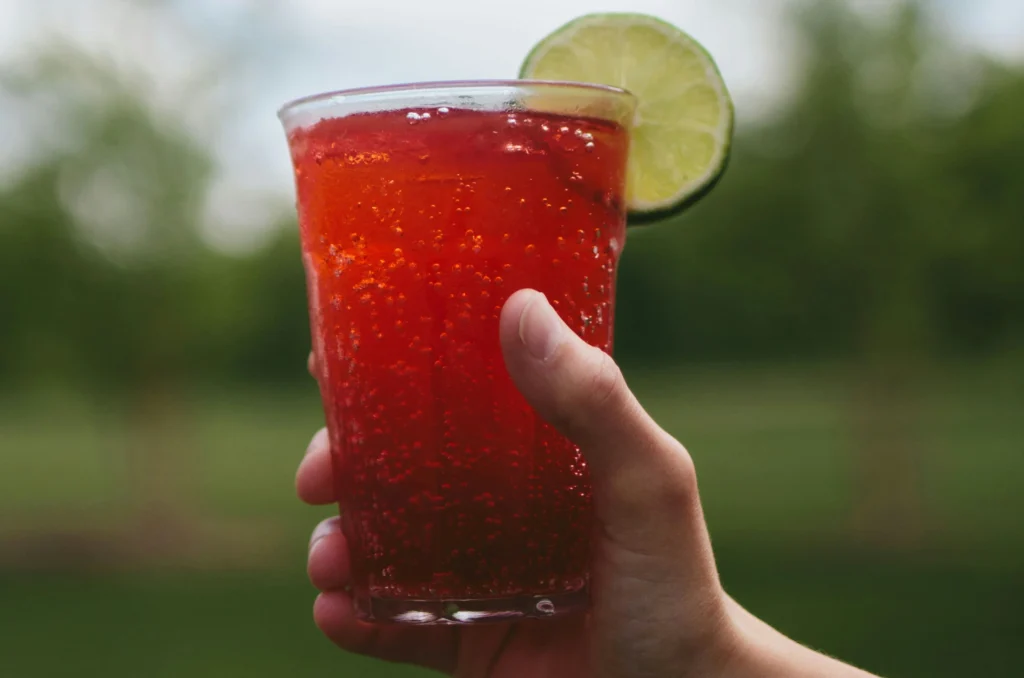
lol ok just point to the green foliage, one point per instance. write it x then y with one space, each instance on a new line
878 213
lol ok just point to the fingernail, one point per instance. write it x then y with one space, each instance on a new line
540 328
325 528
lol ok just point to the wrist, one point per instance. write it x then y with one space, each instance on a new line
759 651
739 647
728 646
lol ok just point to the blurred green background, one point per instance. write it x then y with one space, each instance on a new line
837 334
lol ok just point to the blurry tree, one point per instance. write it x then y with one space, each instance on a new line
879 206
869 174
107 287
103 267
979 277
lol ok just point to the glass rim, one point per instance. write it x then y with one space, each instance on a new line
356 94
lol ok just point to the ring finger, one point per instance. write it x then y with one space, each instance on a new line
328 564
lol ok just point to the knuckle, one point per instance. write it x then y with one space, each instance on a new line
605 386
678 484
668 489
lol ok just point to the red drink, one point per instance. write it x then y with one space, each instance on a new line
459 502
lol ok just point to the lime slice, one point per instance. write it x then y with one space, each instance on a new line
684 121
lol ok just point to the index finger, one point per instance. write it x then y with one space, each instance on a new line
314 480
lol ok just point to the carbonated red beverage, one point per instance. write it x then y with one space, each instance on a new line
417 225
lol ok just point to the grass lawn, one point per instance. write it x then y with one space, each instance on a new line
897 617
775 458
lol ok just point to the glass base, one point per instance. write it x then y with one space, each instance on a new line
474 611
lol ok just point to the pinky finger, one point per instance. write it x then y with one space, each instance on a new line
430 647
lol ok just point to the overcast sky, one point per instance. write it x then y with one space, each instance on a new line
299 47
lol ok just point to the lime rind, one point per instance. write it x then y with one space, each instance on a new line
682 131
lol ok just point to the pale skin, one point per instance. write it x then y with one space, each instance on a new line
658 608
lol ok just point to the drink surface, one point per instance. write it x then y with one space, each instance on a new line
417 225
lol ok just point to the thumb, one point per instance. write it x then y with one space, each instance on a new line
652 569
644 484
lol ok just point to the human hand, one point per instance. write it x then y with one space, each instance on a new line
657 606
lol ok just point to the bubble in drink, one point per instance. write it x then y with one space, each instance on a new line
452 487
